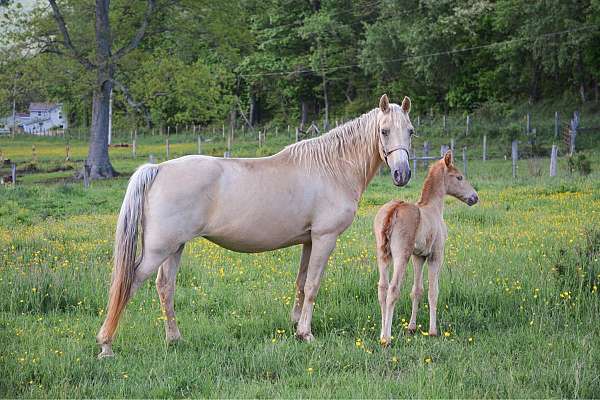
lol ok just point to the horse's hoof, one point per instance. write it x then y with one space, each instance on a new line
305 337
434 334
106 352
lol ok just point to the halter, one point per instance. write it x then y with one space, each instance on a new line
386 153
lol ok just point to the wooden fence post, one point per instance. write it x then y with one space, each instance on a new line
168 148
199 145
425 155
553 160
443 150
573 133
297 133
464 160
289 134
484 147
13 172
452 145
468 125
414 157
86 174
418 121
556 124
528 126
151 159
514 156
223 130
134 146
444 124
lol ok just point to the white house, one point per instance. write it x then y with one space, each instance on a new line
43 117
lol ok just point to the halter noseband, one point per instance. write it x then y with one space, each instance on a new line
386 153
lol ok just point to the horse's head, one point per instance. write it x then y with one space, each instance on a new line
456 183
395 131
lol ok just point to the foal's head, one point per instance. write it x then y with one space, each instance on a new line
395 131
456 183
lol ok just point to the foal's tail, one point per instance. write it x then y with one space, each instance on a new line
131 220
385 221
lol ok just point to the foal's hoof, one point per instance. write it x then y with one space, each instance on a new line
411 331
105 352
173 338
305 337
385 341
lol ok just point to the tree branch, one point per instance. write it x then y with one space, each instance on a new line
135 41
67 38
139 106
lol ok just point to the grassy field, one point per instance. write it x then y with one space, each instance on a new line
519 309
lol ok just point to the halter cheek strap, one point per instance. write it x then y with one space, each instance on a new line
386 153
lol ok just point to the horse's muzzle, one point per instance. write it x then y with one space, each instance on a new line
401 177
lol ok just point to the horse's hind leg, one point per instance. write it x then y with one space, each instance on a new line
151 260
393 293
300 281
382 289
416 292
165 286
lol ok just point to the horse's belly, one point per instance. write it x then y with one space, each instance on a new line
254 244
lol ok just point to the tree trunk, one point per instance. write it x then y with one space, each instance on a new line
252 113
98 159
303 114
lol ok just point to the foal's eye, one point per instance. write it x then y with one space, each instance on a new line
385 132
459 178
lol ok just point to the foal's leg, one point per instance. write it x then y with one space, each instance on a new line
400 263
434 264
382 289
417 291
300 281
322 246
151 260
165 286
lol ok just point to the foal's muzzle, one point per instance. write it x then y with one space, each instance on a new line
473 199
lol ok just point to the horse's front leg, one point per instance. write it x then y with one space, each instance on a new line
434 264
322 246
300 281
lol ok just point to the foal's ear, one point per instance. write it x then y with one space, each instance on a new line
384 103
448 158
406 104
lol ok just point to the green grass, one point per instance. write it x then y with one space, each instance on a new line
518 298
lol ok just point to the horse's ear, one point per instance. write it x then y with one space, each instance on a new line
384 103
406 104
448 158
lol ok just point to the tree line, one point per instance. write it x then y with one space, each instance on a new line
197 62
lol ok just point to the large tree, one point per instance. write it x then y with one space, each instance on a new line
104 64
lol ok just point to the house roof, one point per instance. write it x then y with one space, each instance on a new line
42 106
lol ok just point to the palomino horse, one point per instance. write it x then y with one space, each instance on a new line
402 229
306 194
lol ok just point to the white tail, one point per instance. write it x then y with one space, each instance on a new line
129 223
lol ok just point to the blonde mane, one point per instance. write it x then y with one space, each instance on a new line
344 152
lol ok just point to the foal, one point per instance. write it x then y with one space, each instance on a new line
405 229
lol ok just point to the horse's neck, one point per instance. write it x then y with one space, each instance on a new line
434 190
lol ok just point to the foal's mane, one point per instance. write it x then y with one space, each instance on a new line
344 152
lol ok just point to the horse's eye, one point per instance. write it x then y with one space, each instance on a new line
459 178
385 132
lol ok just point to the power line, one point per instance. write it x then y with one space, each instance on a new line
436 54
